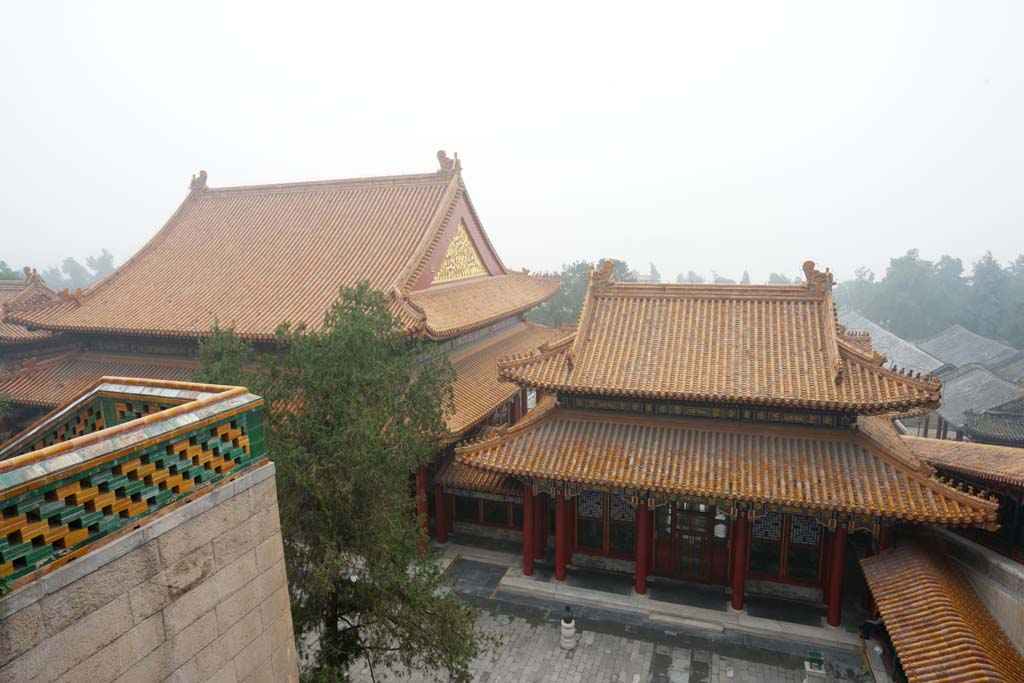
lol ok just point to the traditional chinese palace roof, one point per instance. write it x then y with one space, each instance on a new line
748 394
16 294
256 256
54 381
57 380
477 387
996 427
959 346
114 458
1003 464
866 471
897 350
770 345
937 623
974 387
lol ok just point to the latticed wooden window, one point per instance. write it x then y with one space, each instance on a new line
766 546
605 524
802 552
768 527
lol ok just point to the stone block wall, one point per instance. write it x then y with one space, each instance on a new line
198 594
998 580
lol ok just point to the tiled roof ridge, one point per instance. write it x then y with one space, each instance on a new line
545 408
943 332
476 217
954 506
439 330
949 459
33 363
975 367
493 339
30 290
506 366
875 362
932 612
222 392
197 195
329 184
64 297
430 237
891 447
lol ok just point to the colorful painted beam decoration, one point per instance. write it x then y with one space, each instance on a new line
121 453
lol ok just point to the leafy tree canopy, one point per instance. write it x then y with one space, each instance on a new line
691 277
7 274
73 275
351 414
564 307
917 298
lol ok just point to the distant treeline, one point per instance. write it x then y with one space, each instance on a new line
70 274
917 298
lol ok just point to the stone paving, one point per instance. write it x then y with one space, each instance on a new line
610 647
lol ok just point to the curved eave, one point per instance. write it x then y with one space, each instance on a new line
978 518
859 407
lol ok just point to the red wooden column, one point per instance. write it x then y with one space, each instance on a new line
835 575
421 503
561 536
643 547
528 532
740 550
540 526
884 538
440 515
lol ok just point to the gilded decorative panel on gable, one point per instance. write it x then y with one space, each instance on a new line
461 260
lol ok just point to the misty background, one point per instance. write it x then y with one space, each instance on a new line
715 138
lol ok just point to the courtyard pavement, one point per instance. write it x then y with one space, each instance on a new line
616 645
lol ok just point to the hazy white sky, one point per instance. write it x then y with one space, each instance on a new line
712 136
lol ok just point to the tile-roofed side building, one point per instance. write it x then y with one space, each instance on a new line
936 621
254 257
989 462
15 294
54 381
477 389
897 350
974 387
766 345
958 346
1001 427
838 471
1011 368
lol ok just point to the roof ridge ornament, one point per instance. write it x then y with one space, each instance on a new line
601 278
198 183
31 276
449 166
817 281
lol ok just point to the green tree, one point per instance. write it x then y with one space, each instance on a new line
691 277
988 297
101 266
564 307
73 275
654 274
351 414
721 279
778 279
7 274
